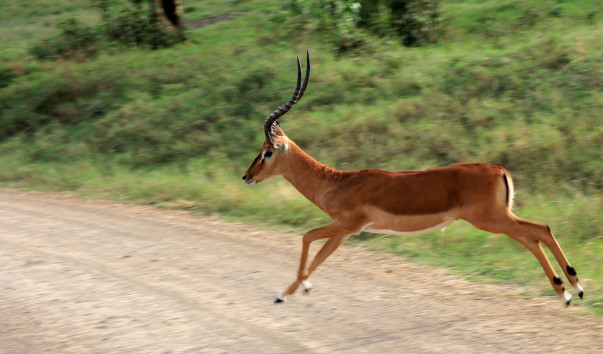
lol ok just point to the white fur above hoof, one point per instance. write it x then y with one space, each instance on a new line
567 298
280 298
307 286
579 291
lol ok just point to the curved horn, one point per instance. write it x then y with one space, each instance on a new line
270 123
306 79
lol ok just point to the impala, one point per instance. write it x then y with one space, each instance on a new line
402 203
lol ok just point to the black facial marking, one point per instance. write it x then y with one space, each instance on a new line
571 270
557 280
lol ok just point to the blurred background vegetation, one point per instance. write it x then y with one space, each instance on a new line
100 98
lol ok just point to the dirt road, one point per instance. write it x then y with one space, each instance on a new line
89 276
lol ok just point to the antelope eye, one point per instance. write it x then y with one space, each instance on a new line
267 154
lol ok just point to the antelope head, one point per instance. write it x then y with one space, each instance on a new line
275 148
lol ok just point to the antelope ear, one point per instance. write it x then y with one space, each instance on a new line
281 146
278 131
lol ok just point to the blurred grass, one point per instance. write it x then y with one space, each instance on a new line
511 82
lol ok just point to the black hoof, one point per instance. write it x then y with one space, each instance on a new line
567 303
280 298
581 294
307 291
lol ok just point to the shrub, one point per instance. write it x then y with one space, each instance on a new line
74 41
339 17
138 25
7 75
415 22
133 24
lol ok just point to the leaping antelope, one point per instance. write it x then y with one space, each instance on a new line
402 203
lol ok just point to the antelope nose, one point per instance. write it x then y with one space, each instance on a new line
244 177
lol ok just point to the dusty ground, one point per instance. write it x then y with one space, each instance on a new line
88 276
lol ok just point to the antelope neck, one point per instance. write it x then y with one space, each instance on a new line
316 179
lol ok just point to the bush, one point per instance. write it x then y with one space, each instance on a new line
75 41
415 22
339 17
7 75
138 25
135 24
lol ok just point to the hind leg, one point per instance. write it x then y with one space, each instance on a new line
530 235
536 248
543 234
551 242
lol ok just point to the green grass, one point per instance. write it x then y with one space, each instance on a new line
510 82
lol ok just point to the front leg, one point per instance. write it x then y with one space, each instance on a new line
332 231
325 251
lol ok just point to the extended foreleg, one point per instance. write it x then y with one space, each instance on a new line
336 233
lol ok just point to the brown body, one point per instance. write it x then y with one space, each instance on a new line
380 197
405 202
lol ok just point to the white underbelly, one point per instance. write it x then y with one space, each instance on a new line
402 231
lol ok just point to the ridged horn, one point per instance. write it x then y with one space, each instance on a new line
270 123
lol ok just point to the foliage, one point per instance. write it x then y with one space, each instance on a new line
339 18
7 75
133 24
75 41
137 25
415 22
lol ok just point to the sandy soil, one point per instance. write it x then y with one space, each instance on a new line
90 276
